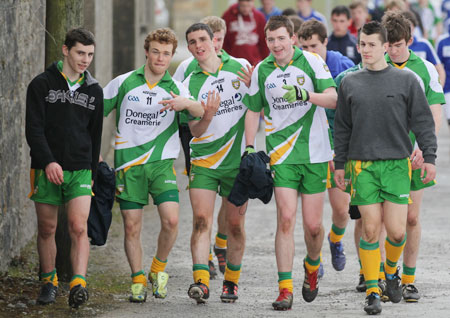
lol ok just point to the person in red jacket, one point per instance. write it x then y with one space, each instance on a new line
245 36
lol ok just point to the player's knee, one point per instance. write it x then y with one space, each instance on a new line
314 230
132 229
370 234
171 224
200 224
342 212
46 231
397 237
77 229
235 229
412 220
286 224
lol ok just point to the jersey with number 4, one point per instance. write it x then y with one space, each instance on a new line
296 133
221 145
143 133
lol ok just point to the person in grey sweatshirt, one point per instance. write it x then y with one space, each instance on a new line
377 107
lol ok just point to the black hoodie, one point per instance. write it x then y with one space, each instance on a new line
62 126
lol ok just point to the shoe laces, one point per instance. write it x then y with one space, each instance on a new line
202 286
338 246
312 279
229 288
284 294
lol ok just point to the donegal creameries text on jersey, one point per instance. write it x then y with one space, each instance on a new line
222 144
143 133
296 133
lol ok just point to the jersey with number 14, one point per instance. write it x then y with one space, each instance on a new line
221 145
296 133
143 133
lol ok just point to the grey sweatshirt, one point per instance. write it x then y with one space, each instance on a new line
375 112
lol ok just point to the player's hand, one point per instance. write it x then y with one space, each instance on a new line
245 75
416 159
177 103
339 175
248 150
212 105
430 169
295 93
54 173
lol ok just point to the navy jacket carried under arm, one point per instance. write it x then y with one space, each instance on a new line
253 181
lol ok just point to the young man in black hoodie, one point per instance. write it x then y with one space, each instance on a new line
64 116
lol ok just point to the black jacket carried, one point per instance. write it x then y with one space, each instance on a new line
100 215
62 126
253 181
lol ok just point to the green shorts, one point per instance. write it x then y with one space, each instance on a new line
219 180
416 181
308 178
157 178
380 180
76 183
347 178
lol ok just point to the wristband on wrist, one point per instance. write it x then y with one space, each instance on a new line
302 94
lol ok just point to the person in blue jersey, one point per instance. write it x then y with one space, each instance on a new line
313 38
422 47
443 52
340 39
445 8
306 12
269 9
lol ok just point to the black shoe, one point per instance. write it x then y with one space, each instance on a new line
382 287
212 270
410 293
78 296
310 285
373 304
221 254
361 287
393 287
199 292
47 294
229 292
284 300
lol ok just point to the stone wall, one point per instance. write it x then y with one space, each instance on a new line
22 48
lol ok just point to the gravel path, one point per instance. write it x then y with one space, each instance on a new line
258 285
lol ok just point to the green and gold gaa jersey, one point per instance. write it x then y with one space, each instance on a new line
296 133
428 78
221 145
143 133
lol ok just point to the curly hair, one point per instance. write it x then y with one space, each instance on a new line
162 35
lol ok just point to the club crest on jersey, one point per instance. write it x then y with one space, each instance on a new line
236 83
301 80
325 67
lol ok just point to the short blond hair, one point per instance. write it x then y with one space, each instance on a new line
162 35
215 23
399 4
358 3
